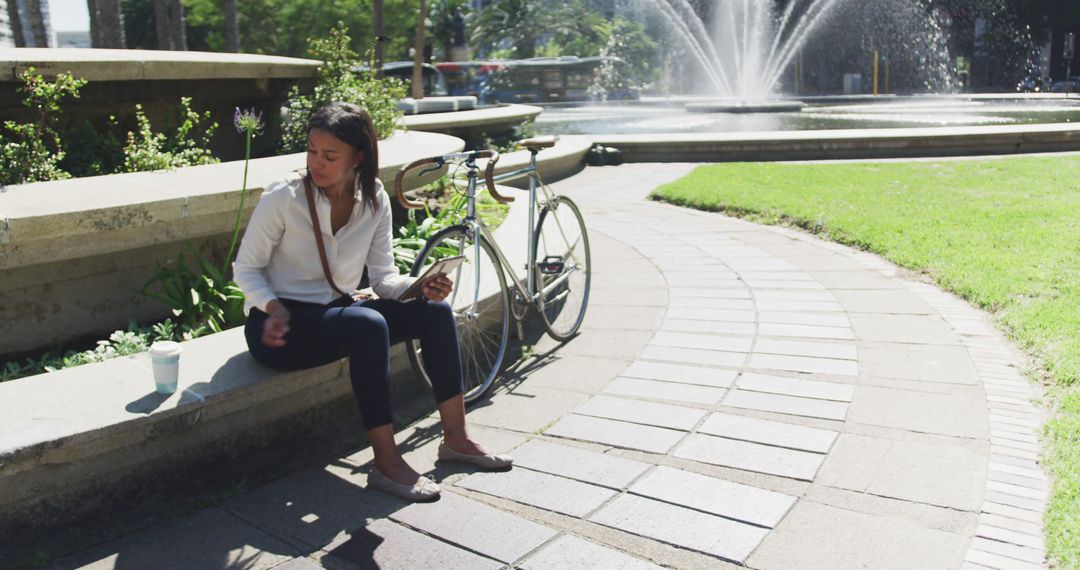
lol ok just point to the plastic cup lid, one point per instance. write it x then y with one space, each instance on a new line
163 348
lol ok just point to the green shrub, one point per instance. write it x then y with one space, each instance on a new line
31 152
90 152
343 77
147 150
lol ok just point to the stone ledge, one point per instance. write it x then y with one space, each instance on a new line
139 65
845 144
81 440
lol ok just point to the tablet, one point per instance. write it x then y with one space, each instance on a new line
444 265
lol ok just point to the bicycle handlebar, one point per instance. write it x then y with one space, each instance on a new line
441 160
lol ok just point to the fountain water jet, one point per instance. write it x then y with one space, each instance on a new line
754 47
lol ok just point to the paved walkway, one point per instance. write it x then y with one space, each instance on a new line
740 395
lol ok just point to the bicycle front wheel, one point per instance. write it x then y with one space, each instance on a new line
563 267
481 305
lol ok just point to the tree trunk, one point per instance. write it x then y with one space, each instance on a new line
16 24
37 23
115 30
169 25
380 39
418 58
232 28
106 24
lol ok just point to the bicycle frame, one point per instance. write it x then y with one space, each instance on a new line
527 290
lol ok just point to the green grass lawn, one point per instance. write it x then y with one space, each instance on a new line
1002 233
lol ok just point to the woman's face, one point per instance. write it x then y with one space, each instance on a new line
330 160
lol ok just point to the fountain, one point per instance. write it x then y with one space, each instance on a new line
752 48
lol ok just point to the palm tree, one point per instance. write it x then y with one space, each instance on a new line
16 24
169 24
106 24
523 22
232 28
418 58
380 39
445 22
37 22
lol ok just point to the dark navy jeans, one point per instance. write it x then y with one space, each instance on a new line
364 332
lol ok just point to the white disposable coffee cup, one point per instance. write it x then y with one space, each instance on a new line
165 356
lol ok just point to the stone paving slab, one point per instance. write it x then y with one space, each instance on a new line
387 545
806 364
750 456
805 331
793 405
694 356
699 375
683 527
669 391
213 538
702 341
580 464
716 327
558 494
823 349
703 493
814 319
619 434
929 473
572 553
769 432
796 387
474 526
815 536
648 413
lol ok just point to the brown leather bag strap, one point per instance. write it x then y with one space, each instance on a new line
318 234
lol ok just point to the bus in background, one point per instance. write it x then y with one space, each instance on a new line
468 78
559 79
434 82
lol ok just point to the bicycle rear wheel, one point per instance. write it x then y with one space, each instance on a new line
481 305
563 267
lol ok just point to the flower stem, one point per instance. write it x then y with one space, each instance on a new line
240 210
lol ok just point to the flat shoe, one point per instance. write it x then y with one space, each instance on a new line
489 461
423 490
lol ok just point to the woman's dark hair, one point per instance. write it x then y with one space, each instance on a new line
353 125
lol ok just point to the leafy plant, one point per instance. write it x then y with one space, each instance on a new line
90 152
134 340
31 152
207 300
202 302
343 77
147 150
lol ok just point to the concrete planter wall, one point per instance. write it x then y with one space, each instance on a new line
73 253
120 78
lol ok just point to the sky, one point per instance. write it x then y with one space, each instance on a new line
69 15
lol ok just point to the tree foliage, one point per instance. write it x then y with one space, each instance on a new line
343 77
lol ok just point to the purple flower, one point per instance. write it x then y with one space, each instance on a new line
249 121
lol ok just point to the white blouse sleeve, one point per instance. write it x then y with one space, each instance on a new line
385 279
263 233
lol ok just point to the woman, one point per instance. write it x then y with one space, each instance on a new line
298 318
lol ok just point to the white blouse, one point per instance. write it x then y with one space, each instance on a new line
279 258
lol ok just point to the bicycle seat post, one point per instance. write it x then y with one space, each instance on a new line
470 188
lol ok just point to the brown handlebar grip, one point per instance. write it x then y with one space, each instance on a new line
489 176
404 201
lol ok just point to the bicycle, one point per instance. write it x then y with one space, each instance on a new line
558 268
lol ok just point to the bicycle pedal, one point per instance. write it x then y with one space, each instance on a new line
551 265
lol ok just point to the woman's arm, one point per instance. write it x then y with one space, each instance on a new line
263 233
384 276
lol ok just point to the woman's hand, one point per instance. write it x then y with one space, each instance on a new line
276 324
438 288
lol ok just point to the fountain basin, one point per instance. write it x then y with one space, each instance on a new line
745 107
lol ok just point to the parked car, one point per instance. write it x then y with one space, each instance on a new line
1031 85
1067 85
